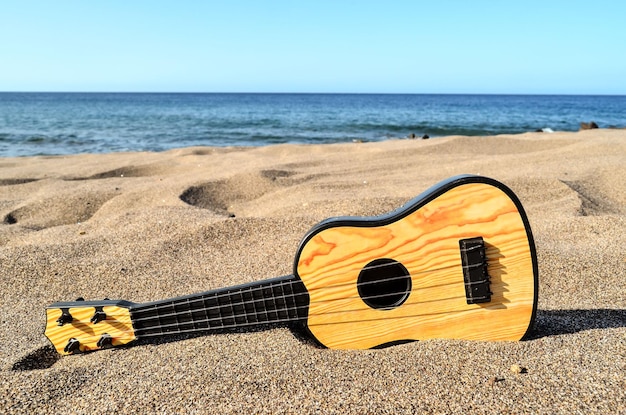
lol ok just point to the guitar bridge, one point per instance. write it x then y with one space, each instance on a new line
474 261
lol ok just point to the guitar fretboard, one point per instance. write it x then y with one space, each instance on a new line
277 300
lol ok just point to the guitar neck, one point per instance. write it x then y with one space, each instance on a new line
276 300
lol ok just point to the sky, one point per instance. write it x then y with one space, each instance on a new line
334 46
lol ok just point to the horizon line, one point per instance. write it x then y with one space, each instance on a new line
312 93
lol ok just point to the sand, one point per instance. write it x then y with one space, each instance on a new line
115 225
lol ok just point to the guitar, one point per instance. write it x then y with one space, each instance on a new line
456 262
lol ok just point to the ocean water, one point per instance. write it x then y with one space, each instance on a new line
69 123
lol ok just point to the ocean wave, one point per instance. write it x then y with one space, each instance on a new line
58 123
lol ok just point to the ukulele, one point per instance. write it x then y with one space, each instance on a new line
456 262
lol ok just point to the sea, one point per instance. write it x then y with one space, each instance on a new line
71 123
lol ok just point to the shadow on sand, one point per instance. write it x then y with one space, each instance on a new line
557 322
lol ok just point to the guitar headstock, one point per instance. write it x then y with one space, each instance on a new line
83 326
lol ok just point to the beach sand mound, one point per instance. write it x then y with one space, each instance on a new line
148 226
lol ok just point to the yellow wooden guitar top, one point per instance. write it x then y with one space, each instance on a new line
426 243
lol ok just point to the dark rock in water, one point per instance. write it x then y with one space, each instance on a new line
425 136
588 125
412 135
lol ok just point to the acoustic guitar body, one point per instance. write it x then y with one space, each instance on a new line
456 262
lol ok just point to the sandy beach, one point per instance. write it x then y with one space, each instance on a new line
149 226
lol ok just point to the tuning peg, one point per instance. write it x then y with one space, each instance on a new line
72 346
98 316
66 317
105 340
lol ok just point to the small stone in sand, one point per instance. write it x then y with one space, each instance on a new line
518 369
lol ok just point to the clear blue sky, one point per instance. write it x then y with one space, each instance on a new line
387 46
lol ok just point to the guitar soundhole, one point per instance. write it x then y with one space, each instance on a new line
384 284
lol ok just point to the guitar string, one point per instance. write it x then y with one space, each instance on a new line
166 303
252 290
277 312
204 296
243 302
178 330
369 267
246 314
199 297
132 334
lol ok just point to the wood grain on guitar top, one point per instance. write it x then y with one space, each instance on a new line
426 242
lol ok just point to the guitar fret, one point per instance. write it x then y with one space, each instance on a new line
292 308
245 303
252 306
182 315
238 308
286 297
226 311
282 304
178 310
259 305
166 319
276 297
270 304
215 320
197 317
205 311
